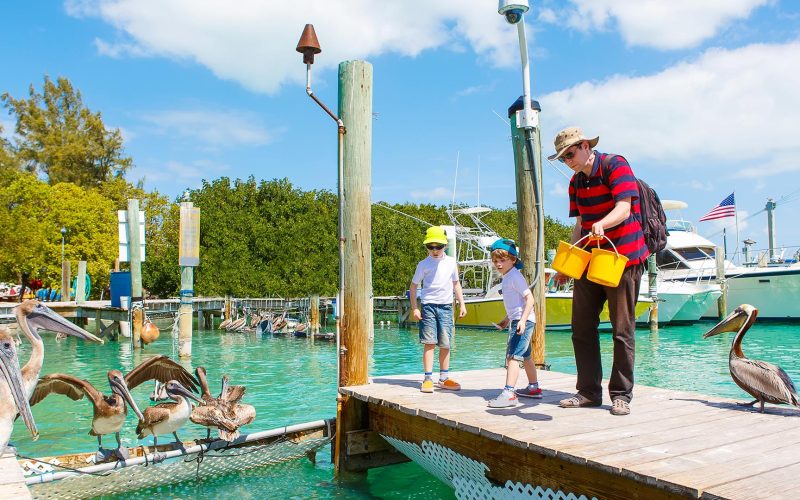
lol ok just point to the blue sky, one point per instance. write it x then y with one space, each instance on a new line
700 96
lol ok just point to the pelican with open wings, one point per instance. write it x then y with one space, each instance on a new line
110 411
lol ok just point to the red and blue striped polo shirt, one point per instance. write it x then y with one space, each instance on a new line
592 199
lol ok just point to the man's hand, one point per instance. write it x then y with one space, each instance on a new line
503 323
417 314
463 311
597 229
520 327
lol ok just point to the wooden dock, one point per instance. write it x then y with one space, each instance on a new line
12 481
673 444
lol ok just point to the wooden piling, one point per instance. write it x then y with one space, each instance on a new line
722 302
185 312
652 276
135 259
527 225
314 314
355 110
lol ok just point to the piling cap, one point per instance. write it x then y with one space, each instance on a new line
435 234
308 44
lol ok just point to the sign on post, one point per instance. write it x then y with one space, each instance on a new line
189 253
122 217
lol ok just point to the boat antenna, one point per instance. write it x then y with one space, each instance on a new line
455 181
479 180
387 207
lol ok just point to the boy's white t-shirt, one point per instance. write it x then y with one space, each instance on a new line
515 288
437 277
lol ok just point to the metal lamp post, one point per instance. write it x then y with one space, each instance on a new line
309 46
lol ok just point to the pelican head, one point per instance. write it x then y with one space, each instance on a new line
9 369
41 317
735 321
174 388
118 386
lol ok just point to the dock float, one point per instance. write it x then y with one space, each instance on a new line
674 444
12 480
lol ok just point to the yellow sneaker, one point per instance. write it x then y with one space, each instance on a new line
449 384
427 385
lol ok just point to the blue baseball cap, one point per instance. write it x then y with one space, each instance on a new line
509 246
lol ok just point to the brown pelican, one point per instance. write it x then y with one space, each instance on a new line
110 411
764 381
12 393
32 317
223 412
166 418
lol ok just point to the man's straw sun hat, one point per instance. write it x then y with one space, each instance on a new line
569 137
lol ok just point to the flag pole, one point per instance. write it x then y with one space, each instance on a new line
736 215
724 243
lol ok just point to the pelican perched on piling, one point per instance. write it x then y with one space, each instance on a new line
12 392
223 412
167 418
764 381
32 317
110 411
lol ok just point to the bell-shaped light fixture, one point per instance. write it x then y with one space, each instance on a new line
308 44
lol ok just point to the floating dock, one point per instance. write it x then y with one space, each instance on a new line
674 444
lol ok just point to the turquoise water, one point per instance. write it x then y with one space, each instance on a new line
289 380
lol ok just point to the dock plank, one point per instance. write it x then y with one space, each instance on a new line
682 442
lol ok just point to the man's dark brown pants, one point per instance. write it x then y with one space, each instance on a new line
588 299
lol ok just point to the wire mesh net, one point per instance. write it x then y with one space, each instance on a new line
183 468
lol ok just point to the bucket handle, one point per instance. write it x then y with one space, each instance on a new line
585 244
603 236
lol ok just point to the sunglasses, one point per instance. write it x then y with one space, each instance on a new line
571 154
434 247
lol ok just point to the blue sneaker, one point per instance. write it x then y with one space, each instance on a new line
527 392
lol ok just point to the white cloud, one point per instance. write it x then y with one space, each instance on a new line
559 190
701 185
730 109
215 128
253 43
438 193
661 24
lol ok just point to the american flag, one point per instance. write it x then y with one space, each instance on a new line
726 208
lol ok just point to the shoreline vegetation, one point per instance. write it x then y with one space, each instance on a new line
63 168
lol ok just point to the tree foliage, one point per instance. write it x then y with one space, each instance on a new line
60 138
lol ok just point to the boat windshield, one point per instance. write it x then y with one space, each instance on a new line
680 225
695 253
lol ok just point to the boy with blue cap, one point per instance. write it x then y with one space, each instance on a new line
520 320
439 274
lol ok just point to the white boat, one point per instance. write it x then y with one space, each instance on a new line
772 286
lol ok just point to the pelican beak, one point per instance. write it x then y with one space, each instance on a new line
9 366
44 318
177 388
120 387
732 323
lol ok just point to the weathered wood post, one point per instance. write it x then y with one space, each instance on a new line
135 257
652 276
527 224
188 257
314 314
65 279
722 302
355 109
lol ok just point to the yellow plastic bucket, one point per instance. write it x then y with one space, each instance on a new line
606 267
571 260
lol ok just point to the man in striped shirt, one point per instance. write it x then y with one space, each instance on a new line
604 199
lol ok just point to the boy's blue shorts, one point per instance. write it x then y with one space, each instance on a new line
436 326
519 346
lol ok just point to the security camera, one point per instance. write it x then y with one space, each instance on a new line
513 10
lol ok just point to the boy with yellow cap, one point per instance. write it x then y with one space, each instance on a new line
438 273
